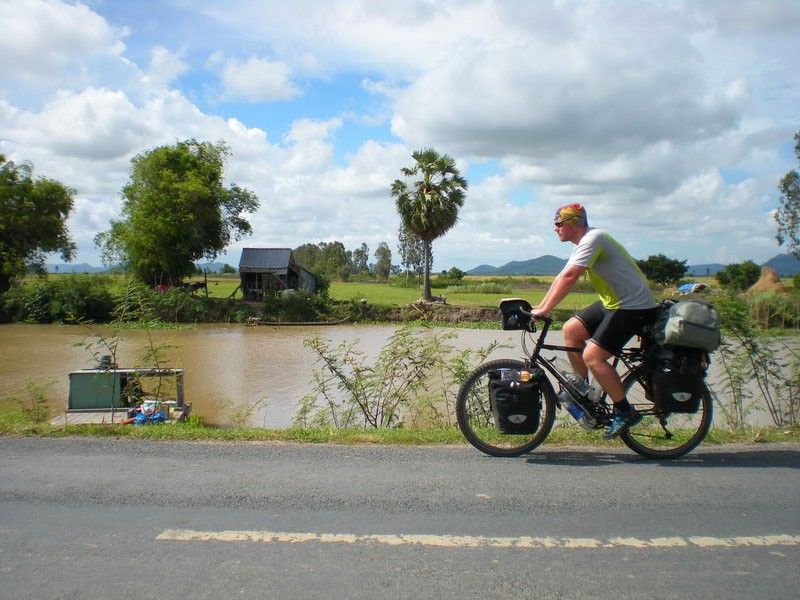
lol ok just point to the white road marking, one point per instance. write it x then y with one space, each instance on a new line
471 541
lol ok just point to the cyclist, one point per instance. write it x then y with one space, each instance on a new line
625 305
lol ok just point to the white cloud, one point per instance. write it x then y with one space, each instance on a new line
642 110
163 69
46 43
257 80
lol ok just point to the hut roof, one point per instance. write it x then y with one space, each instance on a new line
276 260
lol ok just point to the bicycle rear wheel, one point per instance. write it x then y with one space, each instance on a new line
476 421
680 433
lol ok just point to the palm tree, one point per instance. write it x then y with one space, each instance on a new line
429 207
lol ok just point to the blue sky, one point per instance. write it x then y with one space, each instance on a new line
671 121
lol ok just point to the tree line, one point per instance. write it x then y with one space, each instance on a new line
176 210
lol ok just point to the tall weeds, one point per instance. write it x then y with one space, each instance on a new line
754 361
412 381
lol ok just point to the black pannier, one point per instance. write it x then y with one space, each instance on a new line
677 376
516 404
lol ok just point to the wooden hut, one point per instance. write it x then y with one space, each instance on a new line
272 270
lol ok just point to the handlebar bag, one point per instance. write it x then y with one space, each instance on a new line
688 323
677 378
512 317
516 405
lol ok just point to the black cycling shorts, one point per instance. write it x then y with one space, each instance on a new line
611 329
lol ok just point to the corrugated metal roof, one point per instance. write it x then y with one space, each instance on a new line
273 259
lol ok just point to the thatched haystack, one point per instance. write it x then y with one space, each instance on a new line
769 282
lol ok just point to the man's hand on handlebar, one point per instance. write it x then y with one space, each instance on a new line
540 316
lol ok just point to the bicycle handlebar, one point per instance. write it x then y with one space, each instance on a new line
543 318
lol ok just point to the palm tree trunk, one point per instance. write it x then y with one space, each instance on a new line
426 274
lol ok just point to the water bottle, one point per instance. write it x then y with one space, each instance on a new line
580 385
575 410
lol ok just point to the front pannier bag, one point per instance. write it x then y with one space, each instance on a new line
677 378
516 404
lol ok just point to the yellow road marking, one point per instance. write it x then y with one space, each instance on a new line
471 541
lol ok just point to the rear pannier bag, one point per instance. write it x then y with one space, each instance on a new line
515 404
677 378
689 323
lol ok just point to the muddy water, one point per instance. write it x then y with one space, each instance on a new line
229 368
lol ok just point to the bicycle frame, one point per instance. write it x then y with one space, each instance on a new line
631 358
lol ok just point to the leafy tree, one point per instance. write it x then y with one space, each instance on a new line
227 269
788 214
326 259
383 261
663 270
360 259
176 211
455 274
33 215
739 276
429 206
412 251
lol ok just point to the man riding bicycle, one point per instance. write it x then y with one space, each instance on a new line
603 328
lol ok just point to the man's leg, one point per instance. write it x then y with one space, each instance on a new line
606 375
575 336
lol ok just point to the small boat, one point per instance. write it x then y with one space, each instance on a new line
255 321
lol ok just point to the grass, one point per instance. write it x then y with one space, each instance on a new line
15 421
383 294
477 291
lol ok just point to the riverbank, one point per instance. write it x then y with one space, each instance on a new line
16 421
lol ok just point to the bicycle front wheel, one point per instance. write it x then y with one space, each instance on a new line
477 422
664 436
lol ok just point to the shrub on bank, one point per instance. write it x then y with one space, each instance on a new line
67 299
298 306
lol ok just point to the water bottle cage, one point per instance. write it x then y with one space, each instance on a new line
576 395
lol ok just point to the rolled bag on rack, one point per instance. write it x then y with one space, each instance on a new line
689 324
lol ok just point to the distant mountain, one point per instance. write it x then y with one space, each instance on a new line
785 265
704 270
77 268
544 265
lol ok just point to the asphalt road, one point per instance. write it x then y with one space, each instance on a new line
84 518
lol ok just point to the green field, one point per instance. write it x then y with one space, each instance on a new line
385 294
388 295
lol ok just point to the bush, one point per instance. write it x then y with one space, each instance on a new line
298 306
64 299
739 276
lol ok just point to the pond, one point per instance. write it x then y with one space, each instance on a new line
228 368
231 369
